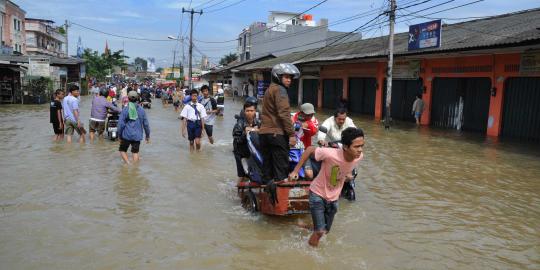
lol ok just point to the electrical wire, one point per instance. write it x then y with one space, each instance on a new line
346 35
120 36
295 16
344 20
222 8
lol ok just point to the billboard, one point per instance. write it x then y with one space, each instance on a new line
425 35
39 66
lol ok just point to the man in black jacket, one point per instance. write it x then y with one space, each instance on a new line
248 122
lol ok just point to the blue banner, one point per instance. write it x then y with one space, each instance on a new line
261 88
425 35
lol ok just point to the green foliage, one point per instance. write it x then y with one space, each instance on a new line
101 65
228 58
159 69
61 30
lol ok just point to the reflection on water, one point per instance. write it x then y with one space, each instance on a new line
130 187
426 199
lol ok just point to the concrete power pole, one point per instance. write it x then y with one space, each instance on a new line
67 50
174 60
390 64
190 73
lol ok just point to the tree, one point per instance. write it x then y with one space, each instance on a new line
228 58
159 69
143 64
99 66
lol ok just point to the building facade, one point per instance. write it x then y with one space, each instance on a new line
488 85
13 30
276 36
43 38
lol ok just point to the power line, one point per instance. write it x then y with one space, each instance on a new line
366 29
202 4
224 41
344 20
295 16
222 8
346 35
120 36
213 5
340 21
463 18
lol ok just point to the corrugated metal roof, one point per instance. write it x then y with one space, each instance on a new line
53 60
239 64
497 31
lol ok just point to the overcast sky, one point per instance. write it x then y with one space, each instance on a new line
157 19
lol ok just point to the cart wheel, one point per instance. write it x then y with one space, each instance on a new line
249 201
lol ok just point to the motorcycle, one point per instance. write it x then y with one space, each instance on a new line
112 125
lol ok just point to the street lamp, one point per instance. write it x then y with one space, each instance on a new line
181 39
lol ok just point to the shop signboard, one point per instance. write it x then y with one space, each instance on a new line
39 66
530 62
406 69
425 35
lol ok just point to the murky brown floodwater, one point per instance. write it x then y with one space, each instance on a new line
425 200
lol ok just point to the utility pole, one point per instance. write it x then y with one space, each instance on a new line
190 73
390 64
67 51
174 60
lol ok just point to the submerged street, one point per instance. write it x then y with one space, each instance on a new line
426 199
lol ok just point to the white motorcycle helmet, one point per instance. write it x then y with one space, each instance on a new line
284 68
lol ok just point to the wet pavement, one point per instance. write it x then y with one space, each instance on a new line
426 199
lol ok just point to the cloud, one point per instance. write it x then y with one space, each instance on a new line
184 4
130 14
98 19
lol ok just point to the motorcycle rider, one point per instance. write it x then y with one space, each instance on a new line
98 113
277 132
335 125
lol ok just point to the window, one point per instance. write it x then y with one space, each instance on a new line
15 24
293 21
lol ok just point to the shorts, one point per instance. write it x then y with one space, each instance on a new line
322 212
124 145
96 126
57 129
194 129
176 104
417 115
71 126
209 129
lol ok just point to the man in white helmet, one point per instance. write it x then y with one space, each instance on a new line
277 132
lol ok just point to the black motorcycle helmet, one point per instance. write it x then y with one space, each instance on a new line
104 92
251 101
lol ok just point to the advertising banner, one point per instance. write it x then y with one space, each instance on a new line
425 35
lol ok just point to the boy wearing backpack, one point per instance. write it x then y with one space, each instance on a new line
193 116
210 105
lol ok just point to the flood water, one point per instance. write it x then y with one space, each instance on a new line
426 199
